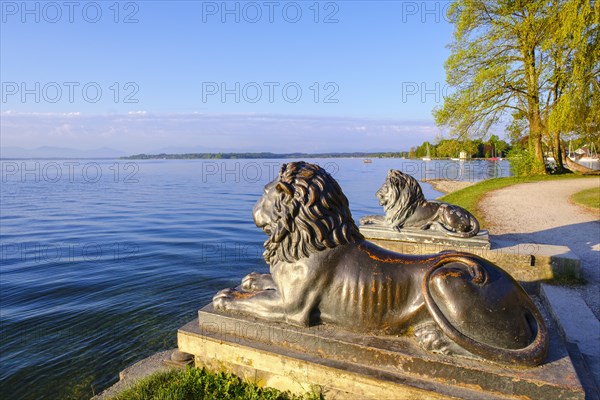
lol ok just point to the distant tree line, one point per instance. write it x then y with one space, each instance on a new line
451 148
262 155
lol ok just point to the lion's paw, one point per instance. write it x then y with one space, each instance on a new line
254 282
223 299
427 226
430 337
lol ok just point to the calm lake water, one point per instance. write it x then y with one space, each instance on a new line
102 260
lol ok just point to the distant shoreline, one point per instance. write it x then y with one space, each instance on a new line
238 156
263 155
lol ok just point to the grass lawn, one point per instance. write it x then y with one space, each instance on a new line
589 198
470 197
200 384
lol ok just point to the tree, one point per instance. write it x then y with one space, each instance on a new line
574 51
448 148
421 151
536 60
470 147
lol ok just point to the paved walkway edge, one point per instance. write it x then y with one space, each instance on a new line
581 332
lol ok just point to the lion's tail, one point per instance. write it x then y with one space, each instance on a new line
531 355
474 225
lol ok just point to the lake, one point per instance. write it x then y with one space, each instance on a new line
103 260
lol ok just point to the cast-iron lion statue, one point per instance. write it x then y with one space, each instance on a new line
405 206
324 272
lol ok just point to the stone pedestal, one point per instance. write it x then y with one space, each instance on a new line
526 262
351 366
384 232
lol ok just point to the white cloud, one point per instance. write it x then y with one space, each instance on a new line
211 132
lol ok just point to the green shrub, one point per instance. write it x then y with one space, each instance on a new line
524 163
200 384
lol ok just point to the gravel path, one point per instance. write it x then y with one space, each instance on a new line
541 212
449 185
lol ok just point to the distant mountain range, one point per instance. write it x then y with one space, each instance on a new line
58 152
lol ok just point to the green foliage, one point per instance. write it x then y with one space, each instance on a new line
523 162
449 148
486 65
589 198
421 151
199 384
574 47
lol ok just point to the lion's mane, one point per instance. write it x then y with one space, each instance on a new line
311 214
402 197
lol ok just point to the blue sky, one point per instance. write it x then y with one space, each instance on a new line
145 76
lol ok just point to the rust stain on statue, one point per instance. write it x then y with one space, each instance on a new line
446 273
243 295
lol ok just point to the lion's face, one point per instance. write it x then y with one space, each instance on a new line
263 212
389 191
303 211
392 189
399 196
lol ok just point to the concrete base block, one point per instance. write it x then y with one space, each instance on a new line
383 232
345 365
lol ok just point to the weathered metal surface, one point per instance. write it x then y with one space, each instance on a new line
324 272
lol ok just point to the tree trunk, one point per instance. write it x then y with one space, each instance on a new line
533 106
535 138
558 153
